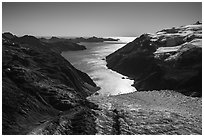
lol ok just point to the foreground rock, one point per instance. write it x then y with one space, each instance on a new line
149 113
168 59
42 93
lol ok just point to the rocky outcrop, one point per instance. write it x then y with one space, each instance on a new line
168 59
42 93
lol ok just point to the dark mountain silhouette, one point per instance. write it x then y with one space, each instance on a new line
59 44
92 39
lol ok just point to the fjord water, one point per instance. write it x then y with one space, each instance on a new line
92 61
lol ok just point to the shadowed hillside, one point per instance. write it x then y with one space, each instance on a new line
39 87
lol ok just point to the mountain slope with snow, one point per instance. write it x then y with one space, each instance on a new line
168 59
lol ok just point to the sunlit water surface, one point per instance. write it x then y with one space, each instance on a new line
92 62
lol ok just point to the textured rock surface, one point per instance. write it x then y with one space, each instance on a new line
168 59
149 113
40 89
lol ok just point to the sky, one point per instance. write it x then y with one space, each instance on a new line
96 19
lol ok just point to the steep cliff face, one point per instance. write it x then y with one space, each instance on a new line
40 89
168 59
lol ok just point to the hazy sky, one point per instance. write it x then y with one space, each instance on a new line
98 19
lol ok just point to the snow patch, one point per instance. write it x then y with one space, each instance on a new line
167 49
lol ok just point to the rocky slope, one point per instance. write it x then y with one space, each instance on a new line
149 113
168 59
42 93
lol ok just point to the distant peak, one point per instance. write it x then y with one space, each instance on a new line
197 23
53 37
29 36
8 35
